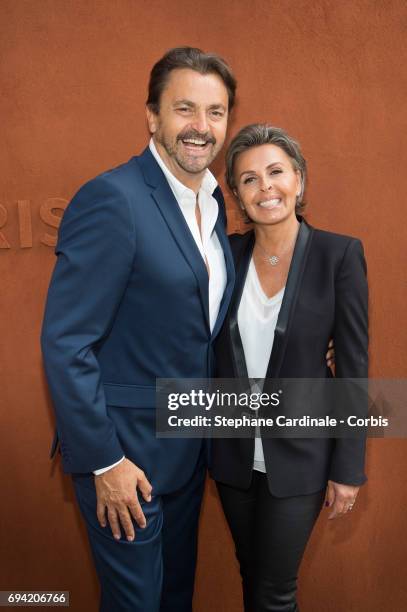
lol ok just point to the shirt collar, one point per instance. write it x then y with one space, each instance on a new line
209 182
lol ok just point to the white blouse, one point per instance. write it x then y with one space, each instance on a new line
257 319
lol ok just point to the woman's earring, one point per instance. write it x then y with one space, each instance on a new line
246 218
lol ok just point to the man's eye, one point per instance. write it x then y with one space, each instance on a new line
217 113
184 110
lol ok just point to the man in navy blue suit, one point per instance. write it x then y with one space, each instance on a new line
140 289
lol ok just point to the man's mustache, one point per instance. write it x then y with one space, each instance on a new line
197 135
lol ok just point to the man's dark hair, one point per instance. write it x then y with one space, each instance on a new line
194 59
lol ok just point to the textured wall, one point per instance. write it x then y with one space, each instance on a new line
72 90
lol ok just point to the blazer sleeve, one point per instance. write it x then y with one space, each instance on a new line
95 250
351 354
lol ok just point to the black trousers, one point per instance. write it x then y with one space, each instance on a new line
270 536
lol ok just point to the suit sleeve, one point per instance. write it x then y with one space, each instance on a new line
95 252
351 355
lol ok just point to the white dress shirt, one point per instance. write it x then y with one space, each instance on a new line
257 318
206 240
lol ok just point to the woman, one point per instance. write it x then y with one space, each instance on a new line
296 287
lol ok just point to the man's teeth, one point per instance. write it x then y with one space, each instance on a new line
270 203
194 141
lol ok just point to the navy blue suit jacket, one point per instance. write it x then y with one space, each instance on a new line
128 303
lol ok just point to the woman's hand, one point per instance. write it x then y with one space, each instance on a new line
330 356
340 498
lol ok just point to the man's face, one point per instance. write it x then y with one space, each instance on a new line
190 128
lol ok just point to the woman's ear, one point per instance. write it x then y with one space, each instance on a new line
299 183
236 194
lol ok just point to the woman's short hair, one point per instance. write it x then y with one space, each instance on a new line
258 134
194 59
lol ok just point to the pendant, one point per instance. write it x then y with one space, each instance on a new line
273 260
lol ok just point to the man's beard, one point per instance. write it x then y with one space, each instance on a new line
187 161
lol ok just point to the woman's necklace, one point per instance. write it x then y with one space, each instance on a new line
273 260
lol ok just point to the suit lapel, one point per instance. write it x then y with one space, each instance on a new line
292 287
230 271
170 210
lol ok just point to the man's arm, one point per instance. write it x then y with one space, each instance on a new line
96 249
95 252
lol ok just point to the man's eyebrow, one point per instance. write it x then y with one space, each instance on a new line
186 102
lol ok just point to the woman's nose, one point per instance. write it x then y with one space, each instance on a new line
266 183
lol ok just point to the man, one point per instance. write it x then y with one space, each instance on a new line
140 289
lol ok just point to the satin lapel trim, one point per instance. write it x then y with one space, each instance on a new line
174 218
242 267
230 274
292 287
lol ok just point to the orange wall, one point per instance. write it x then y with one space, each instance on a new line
73 85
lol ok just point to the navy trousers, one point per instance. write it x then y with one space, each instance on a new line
155 572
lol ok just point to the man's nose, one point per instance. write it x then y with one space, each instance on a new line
200 122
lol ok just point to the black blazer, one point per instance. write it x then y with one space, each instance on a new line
326 296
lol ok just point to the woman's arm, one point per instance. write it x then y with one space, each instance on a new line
351 361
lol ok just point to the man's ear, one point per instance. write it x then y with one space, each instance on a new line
151 120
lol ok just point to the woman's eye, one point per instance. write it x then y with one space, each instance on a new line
276 171
248 180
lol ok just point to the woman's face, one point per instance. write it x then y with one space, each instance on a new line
267 185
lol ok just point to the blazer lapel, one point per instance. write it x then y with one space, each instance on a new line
295 274
242 266
292 287
174 218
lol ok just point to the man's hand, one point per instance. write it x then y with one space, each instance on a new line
340 498
116 492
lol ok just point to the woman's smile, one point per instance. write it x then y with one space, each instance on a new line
270 204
